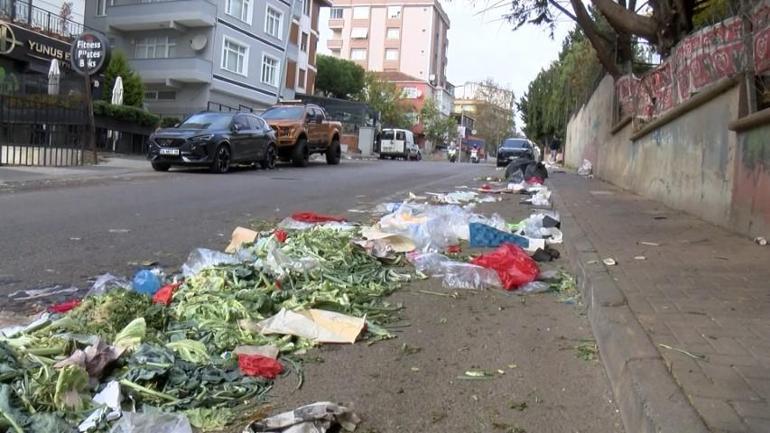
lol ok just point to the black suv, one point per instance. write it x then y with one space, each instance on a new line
513 148
216 140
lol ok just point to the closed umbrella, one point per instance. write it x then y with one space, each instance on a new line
54 76
117 99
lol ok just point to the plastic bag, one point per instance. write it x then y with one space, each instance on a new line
541 198
586 168
455 275
514 267
280 264
201 258
312 217
516 177
292 224
484 236
152 420
534 287
105 283
146 282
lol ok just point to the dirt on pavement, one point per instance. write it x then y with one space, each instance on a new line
412 384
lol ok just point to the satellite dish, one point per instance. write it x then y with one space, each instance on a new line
198 42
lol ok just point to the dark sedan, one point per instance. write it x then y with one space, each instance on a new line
214 140
513 148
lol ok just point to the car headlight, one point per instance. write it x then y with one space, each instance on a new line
199 138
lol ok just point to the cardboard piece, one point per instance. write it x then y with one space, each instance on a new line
388 241
240 236
319 326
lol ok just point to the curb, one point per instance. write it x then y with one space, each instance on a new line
649 399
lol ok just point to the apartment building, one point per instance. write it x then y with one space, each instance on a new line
407 36
198 55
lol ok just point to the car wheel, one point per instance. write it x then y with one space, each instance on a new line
299 155
334 153
222 160
161 166
269 162
419 156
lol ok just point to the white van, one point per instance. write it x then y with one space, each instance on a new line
398 143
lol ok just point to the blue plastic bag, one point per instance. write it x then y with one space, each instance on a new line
484 236
146 282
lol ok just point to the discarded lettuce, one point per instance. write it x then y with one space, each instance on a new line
131 336
190 351
70 389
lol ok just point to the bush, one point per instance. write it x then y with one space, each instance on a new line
169 122
126 113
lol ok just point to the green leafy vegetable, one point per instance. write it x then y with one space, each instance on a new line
70 389
190 351
131 336
206 419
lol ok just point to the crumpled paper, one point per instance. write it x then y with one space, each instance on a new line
313 418
320 326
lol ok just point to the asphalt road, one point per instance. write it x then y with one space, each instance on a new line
70 234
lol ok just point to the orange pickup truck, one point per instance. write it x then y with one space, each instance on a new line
302 130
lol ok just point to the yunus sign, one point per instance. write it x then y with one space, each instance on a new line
90 53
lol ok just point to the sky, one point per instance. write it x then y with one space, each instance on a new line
481 45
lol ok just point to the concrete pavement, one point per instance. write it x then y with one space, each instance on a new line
682 320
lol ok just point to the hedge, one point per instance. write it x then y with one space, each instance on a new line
126 113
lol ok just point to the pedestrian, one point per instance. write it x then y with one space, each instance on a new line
555 146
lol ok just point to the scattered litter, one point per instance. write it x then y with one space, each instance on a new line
316 325
649 244
484 236
106 282
63 307
29 294
455 275
660 217
146 282
312 217
476 374
513 266
75 239
640 258
119 230
152 420
240 236
692 355
760 241
609 261
259 365
201 258
315 418
586 168
534 287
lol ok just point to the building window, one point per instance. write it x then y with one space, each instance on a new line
101 8
394 12
302 74
358 54
270 68
155 48
391 54
240 9
306 7
303 43
336 14
393 33
359 33
159 95
273 22
361 12
234 56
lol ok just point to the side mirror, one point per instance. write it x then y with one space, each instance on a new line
236 127
176 125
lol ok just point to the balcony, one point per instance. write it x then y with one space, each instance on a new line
334 44
336 23
41 20
173 70
133 15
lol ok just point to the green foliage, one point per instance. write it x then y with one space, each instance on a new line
339 78
709 12
560 89
437 127
385 98
125 113
494 119
169 122
133 88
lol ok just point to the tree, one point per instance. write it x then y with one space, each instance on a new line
437 127
385 98
133 88
338 77
494 116
660 22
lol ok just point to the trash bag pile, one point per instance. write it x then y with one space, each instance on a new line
199 348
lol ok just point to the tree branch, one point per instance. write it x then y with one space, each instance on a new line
603 51
625 21
563 10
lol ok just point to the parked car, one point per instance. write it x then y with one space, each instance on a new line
513 148
214 139
302 130
398 143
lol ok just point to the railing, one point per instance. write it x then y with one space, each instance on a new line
116 3
51 23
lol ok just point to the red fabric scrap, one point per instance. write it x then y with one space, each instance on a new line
281 235
312 217
163 296
453 249
486 186
64 306
534 180
258 365
514 266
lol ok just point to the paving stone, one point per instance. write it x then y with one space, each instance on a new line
752 409
718 414
758 425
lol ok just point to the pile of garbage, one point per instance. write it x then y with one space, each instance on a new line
197 348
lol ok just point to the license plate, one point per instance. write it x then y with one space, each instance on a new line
167 151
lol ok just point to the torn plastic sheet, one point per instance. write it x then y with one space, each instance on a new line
201 258
109 399
106 282
12 331
314 418
292 224
152 420
29 294
455 275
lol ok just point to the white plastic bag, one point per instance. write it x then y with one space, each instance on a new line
152 421
455 275
586 168
106 282
533 287
290 223
201 258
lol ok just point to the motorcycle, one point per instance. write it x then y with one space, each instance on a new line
475 156
452 154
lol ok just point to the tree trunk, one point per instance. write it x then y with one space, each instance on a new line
604 51
626 21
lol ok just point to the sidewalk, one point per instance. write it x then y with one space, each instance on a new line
703 293
14 178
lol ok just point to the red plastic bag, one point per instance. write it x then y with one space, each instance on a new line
312 217
258 365
64 306
281 235
514 267
163 296
453 249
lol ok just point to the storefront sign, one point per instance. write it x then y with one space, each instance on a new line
90 53
37 49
